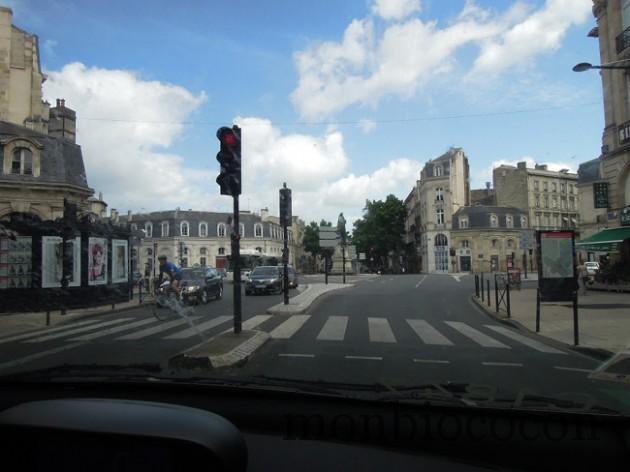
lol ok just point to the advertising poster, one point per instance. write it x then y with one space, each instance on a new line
120 258
556 249
97 261
16 262
52 261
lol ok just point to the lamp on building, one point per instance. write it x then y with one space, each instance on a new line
584 66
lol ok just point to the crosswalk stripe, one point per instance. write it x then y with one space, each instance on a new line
30 334
253 322
477 336
200 328
428 333
380 331
524 340
78 330
38 355
334 329
154 329
289 327
117 329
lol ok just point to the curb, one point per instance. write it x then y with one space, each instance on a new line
592 352
296 309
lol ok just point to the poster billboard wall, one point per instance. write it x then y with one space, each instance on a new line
97 261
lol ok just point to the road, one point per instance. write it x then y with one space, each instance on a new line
395 330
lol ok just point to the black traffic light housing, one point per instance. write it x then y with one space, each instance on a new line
285 206
229 158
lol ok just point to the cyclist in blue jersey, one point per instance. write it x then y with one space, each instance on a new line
170 269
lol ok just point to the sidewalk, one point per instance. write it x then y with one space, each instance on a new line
603 318
300 303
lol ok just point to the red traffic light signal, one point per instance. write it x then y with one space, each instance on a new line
229 158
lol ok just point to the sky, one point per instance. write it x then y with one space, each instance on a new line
342 100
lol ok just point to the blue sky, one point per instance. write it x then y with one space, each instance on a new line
343 100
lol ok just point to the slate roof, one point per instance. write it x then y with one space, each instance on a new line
61 161
589 172
479 216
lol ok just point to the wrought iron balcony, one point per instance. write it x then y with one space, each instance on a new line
623 40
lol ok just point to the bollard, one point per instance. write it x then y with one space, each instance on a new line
496 293
482 290
488 285
48 318
140 292
477 285
507 288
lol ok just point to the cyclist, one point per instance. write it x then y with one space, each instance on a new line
174 272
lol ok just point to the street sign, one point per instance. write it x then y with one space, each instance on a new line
528 239
328 236
361 256
600 194
351 251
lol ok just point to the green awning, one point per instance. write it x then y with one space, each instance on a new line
605 240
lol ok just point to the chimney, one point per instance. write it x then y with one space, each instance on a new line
62 123
540 167
114 215
487 186
100 196
128 215
521 165
264 213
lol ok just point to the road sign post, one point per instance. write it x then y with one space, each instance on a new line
285 220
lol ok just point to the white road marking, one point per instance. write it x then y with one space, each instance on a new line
289 327
251 323
18 337
154 329
420 281
428 333
477 336
334 329
38 355
431 361
297 355
380 331
573 369
456 277
525 340
200 328
78 330
117 329
503 364
367 358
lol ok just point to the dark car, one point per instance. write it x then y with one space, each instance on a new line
200 285
264 279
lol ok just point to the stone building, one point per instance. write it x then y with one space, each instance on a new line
549 198
487 238
592 218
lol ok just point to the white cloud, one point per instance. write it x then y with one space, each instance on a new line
367 126
363 68
395 9
126 158
485 175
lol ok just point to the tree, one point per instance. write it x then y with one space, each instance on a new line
381 230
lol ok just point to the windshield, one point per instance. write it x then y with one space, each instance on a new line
442 179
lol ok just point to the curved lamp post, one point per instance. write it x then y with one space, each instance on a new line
584 66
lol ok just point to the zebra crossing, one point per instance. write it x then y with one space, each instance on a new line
327 329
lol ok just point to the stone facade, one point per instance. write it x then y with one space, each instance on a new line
592 220
549 198
613 32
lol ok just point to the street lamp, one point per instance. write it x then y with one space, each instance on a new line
584 66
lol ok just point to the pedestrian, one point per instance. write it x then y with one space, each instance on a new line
583 277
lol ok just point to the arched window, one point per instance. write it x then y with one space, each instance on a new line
258 230
148 229
165 229
494 221
438 171
221 251
221 230
465 243
510 243
441 240
203 230
203 251
241 230
22 162
439 194
523 222
184 228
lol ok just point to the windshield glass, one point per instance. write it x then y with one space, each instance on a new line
443 180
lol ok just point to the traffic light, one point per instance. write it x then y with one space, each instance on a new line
229 157
285 206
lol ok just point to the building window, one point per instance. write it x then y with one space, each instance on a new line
202 261
556 220
537 201
536 186
546 201
563 188
554 202
495 243
164 228
221 230
22 161
510 243
241 230
439 194
149 251
554 187
509 221
438 171
203 230
523 222
203 251
258 230
571 189
564 203
463 223
441 240
183 228
547 220
440 217
538 220
465 243
148 229
185 249
545 186
494 221
571 203
221 251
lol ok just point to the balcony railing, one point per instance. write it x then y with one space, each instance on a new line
623 40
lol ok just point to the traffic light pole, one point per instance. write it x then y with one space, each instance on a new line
236 257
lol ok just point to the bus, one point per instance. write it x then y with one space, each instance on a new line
249 260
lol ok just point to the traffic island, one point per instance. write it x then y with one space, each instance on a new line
302 302
224 350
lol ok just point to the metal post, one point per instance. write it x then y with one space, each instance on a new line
477 285
483 297
509 313
154 257
236 256
488 285
525 262
343 257
576 338
140 284
285 260
326 269
48 318
496 293
537 310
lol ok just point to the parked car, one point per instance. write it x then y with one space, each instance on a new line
592 267
199 285
264 279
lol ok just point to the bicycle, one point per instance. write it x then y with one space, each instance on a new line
166 297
